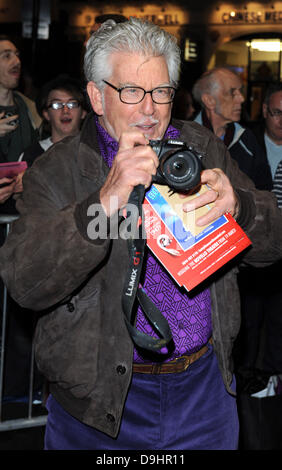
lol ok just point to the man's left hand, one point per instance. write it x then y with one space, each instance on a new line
221 193
19 184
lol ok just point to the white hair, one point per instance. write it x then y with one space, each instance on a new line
210 82
133 36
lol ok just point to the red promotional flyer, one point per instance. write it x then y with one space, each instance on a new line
188 252
11 169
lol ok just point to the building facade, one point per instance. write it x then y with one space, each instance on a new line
245 36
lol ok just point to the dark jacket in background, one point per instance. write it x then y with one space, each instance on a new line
251 157
258 128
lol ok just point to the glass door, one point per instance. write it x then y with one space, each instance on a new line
264 68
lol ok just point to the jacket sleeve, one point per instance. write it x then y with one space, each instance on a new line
46 257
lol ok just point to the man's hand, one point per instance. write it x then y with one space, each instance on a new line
134 164
5 127
7 190
19 183
221 193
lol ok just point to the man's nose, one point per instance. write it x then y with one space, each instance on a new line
240 97
147 104
16 59
65 108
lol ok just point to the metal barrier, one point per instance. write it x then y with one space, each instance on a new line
29 420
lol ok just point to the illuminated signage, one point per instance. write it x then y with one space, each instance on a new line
190 51
251 17
161 20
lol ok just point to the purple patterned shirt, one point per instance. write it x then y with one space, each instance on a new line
189 316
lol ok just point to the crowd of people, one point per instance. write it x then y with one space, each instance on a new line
105 391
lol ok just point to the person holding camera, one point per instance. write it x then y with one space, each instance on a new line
19 120
107 389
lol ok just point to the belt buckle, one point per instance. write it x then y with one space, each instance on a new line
185 360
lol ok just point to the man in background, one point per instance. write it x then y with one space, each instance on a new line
19 120
269 134
220 94
62 105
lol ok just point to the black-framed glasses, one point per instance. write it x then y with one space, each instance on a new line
60 105
135 94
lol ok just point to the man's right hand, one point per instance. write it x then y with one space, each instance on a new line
134 164
6 191
221 194
5 127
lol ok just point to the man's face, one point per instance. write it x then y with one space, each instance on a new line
63 121
148 117
10 65
229 98
273 117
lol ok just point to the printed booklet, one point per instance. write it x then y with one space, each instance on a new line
189 253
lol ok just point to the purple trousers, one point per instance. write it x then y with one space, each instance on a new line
185 411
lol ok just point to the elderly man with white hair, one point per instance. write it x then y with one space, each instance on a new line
220 94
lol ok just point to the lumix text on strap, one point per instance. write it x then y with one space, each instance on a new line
131 291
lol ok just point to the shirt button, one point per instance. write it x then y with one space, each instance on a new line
110 418
121 370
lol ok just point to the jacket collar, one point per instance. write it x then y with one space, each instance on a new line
233 134
238 132
90 162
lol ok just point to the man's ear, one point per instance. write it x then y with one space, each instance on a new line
83 114
95 97
46 115
264 110
208 100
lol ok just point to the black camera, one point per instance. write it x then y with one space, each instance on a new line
11 123
180 166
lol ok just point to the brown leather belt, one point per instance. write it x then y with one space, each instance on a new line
180 364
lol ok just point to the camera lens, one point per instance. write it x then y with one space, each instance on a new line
179 168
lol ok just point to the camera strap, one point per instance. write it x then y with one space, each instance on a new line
132 291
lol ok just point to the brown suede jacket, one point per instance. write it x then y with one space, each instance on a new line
51 266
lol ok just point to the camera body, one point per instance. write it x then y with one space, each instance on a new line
180 166
11 123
